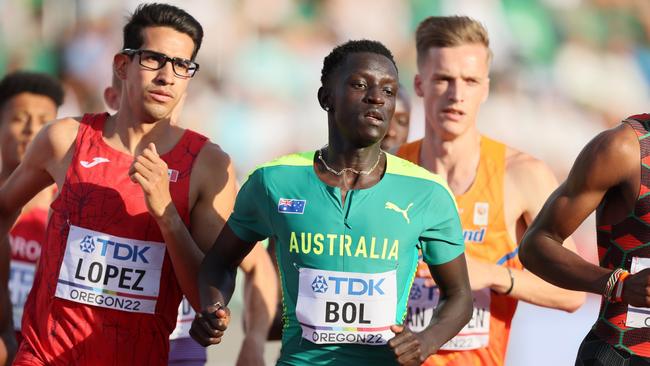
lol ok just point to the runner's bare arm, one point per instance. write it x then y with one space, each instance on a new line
216 285
260 299
46 161
213 180
610 160
453 312
529 182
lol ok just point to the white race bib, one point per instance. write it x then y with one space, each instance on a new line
475 334
345 307
21 278
638 317
183 320
111 272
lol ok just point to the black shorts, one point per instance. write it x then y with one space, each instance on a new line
596 352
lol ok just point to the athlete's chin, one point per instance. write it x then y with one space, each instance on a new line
155 113
448 130
368 140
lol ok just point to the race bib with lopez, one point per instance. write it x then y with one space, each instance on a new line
345 307
475 334
110 272
638 317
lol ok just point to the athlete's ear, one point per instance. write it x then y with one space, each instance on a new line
324 99
120 64
417 85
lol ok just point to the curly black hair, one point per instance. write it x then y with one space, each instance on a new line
30 82
340 53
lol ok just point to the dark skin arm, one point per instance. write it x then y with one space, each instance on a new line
605 176
453 312
216 284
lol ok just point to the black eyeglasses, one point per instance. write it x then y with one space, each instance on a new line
153 60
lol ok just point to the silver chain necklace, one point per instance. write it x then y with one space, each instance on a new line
340 172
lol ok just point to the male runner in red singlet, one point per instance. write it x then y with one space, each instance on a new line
27 101
498 190
611 177
140 200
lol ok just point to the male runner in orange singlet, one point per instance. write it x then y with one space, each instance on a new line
140 200
498 190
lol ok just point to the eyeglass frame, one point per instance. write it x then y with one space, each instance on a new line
132 52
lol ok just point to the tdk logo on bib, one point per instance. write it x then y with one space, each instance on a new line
319 284
87 244
124 252
119 251
348 285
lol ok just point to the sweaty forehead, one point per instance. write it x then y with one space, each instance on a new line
368 63
168 41
465 60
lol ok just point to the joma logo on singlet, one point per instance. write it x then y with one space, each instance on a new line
96 161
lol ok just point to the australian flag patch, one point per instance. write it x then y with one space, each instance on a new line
291 206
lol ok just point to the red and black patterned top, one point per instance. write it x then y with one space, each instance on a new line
618 244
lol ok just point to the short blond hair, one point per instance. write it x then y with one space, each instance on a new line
449 31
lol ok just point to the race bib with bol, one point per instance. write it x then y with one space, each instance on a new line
345 307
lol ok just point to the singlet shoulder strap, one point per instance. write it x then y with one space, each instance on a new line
640 123
91 126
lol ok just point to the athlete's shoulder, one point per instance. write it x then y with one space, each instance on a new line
212 156
213 167
523 170
282 166
57 136
616 149
67 126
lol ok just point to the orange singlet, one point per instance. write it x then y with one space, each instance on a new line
483 341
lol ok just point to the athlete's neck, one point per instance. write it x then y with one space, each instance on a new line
455 160
341 155
343 159
126 134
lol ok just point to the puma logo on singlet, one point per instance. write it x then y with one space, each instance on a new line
404 212
95 161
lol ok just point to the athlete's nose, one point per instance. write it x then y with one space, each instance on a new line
28 129
374 96
455 91
165 75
